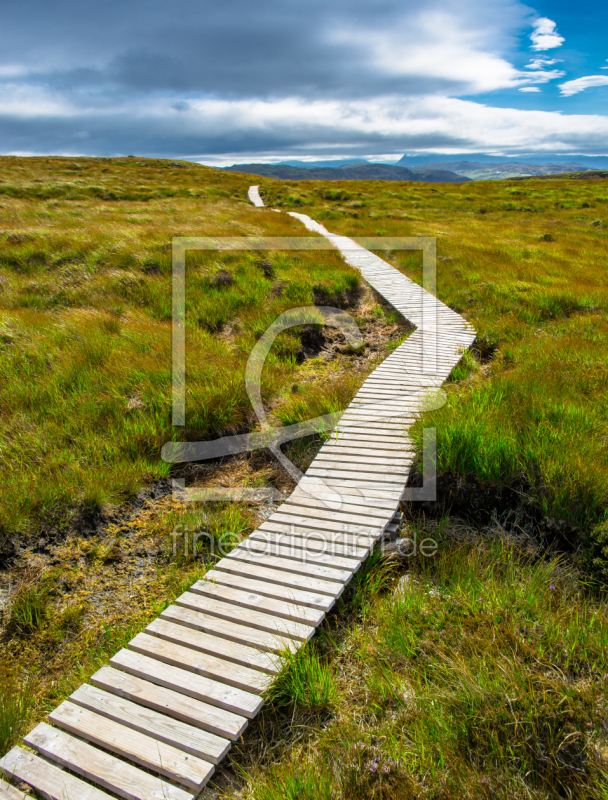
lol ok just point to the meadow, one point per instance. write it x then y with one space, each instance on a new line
525 261
85 324
479 672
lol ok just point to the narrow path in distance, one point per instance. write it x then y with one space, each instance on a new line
154 722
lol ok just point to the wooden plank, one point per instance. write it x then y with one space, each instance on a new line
11 793
218 669
336 496
188 770
363 531
214 645
266 625
376 433
363 477
100 767
235 632
353 456
257 572
373 494
165 729
360 465
319 604
253 601
314 530
328 543
299 567
216 693
324 515
304 555
312 519
52 782
171 703
370 448
323 504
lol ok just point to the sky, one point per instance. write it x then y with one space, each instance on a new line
238 81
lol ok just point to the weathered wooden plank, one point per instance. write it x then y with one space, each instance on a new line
328 519
361 465
257 572
215 693
235 632
214 645
319 604
315 529
351 456
182 767
174 704
165 729
376 495
218 669
9 792
338 496
100 767
266 626
52 781
376 433
319 541
365 477
325 503
306 556
253 601
355 545
299 567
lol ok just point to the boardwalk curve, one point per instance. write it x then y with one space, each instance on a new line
156 720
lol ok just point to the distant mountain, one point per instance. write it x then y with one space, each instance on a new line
314 164
424 159
510 169
357 172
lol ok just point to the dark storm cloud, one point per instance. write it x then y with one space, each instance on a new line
209 77
237 49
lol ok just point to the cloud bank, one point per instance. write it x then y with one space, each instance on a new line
193 78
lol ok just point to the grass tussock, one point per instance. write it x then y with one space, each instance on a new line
16 700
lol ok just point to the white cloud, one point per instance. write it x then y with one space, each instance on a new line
545 36
529 89
541 63
580 84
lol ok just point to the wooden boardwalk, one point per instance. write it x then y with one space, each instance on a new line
154 722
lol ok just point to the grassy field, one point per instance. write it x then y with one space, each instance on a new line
479 672
526 262
86 521
85 332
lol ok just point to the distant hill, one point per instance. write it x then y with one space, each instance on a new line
355 172
507 169
552 159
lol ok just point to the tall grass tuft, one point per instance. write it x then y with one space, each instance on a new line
16 700
306 680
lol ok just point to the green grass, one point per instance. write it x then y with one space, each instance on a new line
526 263
305 681
16 700
85 324
480 672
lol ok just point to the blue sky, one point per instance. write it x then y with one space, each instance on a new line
240 81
